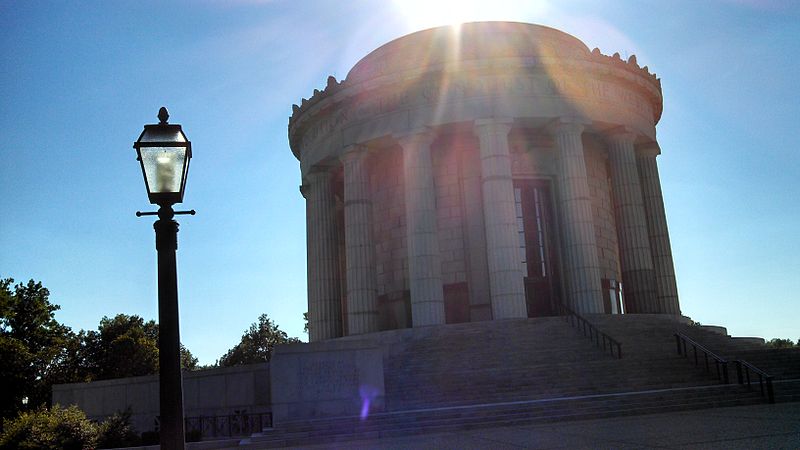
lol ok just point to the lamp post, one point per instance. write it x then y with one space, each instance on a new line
164 153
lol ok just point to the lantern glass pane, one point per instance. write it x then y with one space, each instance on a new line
163 167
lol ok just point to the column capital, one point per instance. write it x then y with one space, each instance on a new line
317 174
649 150
353 151
567 125
493 125
417 136
622 134
313 178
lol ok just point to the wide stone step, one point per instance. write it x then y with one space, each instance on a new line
450 419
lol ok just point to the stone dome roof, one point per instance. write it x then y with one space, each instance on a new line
470 41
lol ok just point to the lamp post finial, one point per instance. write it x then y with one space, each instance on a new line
163 115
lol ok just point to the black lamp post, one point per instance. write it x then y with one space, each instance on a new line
164 153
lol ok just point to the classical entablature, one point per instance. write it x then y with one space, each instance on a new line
480 172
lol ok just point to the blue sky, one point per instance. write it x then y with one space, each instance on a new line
78 80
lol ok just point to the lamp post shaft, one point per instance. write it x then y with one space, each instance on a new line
169 357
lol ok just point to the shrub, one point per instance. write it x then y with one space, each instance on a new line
193 436
116 431
150 438
55 428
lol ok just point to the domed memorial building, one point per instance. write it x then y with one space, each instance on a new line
487 171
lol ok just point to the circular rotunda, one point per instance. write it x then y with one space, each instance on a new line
485 171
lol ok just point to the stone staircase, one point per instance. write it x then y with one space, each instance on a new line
513 360
782 364
462 376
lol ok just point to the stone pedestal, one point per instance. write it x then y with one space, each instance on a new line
362 302
506 280
666 287
326 379
324 302
424 261
638 276
581 265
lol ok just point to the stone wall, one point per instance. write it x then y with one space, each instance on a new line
449 214
212 392
602 211
389 235
450 223
338 377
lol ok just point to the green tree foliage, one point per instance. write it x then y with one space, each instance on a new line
126 346
782 343
33 345
56 428
257 344
123 346
188 360
36 351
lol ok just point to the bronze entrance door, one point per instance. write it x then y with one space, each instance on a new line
538 247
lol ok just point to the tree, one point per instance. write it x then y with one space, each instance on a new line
782 343
36 351
257 344
188 361
32 344
126 346
123 346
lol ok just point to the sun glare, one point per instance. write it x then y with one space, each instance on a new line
421 14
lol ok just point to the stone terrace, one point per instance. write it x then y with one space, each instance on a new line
466 376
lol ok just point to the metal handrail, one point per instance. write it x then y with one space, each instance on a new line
720 362
764 379
590 331
232 425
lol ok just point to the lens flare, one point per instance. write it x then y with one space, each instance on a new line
368 394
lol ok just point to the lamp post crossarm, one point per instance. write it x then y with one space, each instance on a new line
191 212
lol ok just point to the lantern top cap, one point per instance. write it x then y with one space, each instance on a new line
163 115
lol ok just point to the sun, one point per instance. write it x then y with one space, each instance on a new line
420 14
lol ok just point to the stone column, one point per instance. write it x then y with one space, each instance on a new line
581 264
506 282
362 301
424 261
638 276
666 286
324 290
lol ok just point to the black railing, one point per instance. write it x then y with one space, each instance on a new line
233 425
598 337
720 363
764 379
743 368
